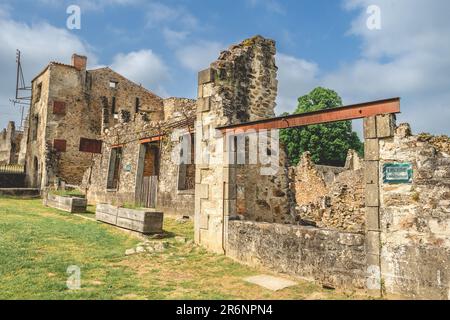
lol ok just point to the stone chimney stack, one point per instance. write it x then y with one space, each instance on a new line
79 62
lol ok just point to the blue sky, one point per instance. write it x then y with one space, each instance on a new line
162 44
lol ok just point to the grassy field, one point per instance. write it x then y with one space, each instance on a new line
38 244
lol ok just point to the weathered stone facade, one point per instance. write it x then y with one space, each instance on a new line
415 217
69 103
174 119
10 143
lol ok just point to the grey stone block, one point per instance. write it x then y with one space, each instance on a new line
205 76
372 195
385 125
371 172
371 150
372 219
370 128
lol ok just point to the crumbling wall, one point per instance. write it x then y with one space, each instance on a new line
415 217
240 86
10 143
330 197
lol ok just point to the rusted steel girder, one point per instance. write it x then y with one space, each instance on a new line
352 112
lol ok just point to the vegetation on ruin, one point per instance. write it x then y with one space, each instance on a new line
38 244
327 143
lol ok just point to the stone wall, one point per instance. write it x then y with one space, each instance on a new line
10 142
415 217
240 86
329 257
330 197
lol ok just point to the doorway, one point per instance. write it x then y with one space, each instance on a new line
149 173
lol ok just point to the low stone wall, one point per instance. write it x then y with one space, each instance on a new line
68 204
136 220
330 257
12 180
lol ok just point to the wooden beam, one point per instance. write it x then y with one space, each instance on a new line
351 112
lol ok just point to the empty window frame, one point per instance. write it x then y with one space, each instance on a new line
113 84
115 162
113 106
186 168
137 105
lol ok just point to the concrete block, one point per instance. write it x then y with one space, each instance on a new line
202 191
385 125
370 128
371 172
204 221
372 195
371 150
373 245
203 104
372 219
206 76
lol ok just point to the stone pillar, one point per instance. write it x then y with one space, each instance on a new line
375 128
240 86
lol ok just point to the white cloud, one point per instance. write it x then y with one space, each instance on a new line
160 14
173 37
198 56
295 77
144 67
409 57
39 43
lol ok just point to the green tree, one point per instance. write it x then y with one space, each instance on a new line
328 143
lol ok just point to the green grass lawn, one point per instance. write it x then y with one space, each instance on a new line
38 244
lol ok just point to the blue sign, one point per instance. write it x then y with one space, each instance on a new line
398 173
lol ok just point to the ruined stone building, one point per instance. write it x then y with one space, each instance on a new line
138 164
380 224
70 103
10 143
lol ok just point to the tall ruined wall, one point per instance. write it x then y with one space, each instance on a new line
240 86
77 118
415 217
10 141
35 160
330 197
125 92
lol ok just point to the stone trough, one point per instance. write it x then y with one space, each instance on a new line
143 221
68 204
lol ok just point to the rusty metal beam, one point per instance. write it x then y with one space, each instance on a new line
151 139
352 112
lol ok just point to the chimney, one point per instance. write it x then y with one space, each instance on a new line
79 62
